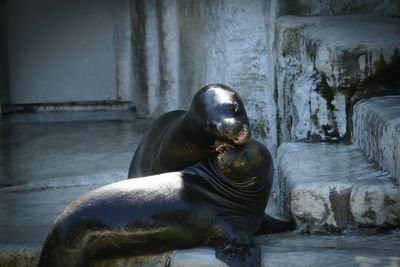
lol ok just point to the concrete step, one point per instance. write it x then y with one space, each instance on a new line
340 7
333 187
322 62
376 131
287 249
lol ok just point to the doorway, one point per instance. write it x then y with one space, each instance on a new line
60 51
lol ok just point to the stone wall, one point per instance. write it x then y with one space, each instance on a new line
180 46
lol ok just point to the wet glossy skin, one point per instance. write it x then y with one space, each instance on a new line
215 121
199 205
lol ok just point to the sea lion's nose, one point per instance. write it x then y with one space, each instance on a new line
243 136
234 131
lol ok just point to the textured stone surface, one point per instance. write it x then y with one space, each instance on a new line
340 7
376 130
321 61
288 249
334 187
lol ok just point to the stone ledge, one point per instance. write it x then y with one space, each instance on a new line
376 131
345 49
340 7
11 255
332 187
321 62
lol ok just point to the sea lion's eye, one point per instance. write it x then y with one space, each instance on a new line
232 108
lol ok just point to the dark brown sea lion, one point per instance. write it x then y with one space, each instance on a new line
216 120
219 201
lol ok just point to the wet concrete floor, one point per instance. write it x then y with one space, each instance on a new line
45 165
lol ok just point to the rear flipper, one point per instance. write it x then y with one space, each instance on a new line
237 254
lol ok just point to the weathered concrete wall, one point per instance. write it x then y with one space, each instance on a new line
194 47
181 46
122 35
341 7
240 37
156 56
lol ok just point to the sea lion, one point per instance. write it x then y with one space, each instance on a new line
219 201
215 121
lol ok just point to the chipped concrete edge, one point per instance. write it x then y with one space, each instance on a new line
14 256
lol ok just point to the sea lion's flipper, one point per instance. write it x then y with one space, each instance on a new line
236 254
235 245
270 225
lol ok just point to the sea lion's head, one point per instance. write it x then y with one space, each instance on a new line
251 162
218 113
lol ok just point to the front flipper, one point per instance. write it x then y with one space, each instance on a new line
234 244
237 254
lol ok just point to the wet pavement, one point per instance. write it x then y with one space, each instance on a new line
46 165
31 152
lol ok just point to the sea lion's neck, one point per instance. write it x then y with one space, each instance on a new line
245 199
246 185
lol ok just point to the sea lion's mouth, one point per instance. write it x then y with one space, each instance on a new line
225 152
239 139
242 137
223 162
221 147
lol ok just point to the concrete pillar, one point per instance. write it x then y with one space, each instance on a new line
121 17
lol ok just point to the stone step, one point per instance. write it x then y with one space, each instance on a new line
340 7
332 187
287 249
376 131
322 62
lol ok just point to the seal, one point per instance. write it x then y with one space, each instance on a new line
219 202
215 121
